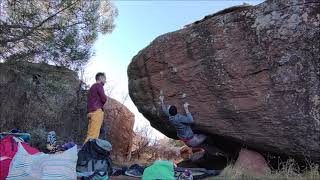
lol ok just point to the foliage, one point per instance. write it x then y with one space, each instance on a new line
151 149
176 143
59 32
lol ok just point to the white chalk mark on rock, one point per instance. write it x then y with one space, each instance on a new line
161 74
175 69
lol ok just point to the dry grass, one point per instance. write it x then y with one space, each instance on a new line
288 172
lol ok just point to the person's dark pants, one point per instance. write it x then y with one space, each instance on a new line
103 131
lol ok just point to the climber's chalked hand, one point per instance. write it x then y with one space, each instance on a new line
185 105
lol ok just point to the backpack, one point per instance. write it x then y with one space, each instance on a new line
94 157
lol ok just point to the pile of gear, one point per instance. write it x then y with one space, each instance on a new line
18 160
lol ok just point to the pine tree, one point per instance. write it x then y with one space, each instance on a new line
59 32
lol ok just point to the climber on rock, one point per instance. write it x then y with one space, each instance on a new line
182 124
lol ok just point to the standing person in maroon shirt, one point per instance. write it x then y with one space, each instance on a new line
96 100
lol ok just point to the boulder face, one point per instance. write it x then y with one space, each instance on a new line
119 126
250 74
252 163
39 98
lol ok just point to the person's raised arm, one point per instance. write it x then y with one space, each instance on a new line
163 106
188 117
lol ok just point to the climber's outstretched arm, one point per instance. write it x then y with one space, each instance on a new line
188 117
163 106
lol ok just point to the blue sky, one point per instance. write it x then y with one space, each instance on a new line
138 23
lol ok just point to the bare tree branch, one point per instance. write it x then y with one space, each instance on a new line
3 42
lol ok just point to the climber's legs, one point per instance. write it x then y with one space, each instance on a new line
196 140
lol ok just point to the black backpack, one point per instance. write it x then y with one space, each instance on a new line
94 157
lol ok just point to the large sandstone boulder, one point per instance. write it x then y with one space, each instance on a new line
119 122
252 163
251 75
